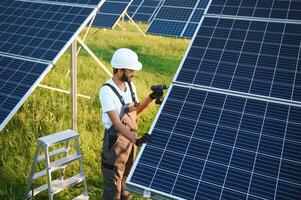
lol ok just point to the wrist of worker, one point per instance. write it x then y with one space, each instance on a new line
151 96
134 139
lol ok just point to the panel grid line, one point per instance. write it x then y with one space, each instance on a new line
110 13
59 3
199 115
224 165
281 156
235 148
228 166
259 9
256 154
223 126
222 53
178 19
217 184
194 78
189 19
139 6
296 69
207 157
166 146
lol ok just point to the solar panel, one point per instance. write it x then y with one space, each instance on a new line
209 145
277 9
144 10
82 2
178 18
110 12
17 78
38 30
254 57
32 38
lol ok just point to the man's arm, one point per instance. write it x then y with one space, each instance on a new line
154 95
121 128
141 106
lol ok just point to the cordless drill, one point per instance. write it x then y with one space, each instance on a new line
159 88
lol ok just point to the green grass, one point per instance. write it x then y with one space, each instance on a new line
46 112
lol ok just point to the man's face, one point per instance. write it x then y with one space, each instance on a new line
127 74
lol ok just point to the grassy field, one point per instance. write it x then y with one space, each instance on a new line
46 112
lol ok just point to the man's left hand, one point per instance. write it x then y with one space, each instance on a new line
144 139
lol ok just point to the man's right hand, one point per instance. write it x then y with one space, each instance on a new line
144 139
156 94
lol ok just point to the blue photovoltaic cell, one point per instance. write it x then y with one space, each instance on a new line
277 9
143 10
207 145
38 30
110 12
254 57
178 18
16 78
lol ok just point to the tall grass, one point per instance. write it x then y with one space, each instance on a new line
46 112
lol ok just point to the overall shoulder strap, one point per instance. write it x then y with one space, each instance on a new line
116 92
132 93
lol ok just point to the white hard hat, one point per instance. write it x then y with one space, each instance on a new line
125 59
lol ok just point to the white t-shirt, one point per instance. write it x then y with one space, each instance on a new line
110 101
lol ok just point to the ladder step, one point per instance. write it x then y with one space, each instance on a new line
58 164
57 185
81 197
57 138
53 153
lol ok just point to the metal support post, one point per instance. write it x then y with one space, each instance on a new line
94 57
121 26
122 22
89 27
62 91
139 29
74 85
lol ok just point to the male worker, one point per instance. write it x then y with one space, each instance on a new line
120 107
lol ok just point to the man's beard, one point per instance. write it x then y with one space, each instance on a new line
124 78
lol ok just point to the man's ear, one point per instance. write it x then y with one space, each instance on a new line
119 71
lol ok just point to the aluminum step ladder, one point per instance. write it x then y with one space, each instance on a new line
48 144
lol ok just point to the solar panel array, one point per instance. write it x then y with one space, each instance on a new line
230 125
144 10
277 9
110 12
178 18
32 38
